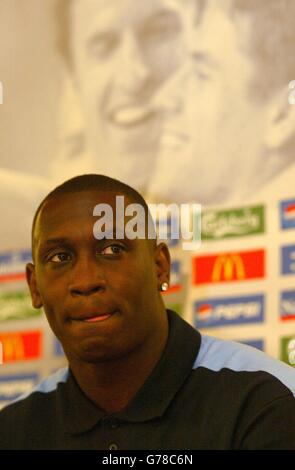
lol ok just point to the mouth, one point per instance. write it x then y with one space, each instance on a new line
131 116
99 318
174 140
95 317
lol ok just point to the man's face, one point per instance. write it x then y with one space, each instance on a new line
101 297
220 131
123 51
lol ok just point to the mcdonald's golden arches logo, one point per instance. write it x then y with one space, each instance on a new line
229 267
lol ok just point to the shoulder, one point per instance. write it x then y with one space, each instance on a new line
47 385
218 355
28 413
252 389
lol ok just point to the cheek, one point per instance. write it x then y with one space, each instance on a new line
138 286
92 93
163 59
52 295
94 80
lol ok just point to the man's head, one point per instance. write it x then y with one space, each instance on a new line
120 54
101 297
238 126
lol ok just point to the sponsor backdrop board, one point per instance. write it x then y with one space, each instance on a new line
161 95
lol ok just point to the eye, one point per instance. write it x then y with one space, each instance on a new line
163 26
114 249
60 257
102 45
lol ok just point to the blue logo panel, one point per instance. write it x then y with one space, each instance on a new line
254 343
287 211
229 311
287 305
288 260
12 386
175 274
58 350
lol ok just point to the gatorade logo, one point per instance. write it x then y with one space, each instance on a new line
21 346
229 267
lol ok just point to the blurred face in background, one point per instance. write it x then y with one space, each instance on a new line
217 130
123 52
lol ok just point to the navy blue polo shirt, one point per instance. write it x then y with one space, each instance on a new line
204 393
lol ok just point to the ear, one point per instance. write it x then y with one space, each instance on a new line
31 280
281 121
162 259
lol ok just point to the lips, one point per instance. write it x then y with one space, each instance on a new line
98 318
174 139
95 317
131 116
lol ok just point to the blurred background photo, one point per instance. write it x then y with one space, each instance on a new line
186 101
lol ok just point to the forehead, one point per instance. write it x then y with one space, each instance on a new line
118 13
72 215
67 209
222 34
69 217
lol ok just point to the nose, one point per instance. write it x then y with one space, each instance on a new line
171 96
135 73
87 278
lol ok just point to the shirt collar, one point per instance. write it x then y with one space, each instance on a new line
154 397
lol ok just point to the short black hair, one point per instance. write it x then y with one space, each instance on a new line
89 182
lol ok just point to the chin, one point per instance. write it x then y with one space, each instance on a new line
95 354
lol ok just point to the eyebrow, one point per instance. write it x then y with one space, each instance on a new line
162 14
55 241
65 241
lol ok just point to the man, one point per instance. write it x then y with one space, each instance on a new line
119 55
139 377
233 127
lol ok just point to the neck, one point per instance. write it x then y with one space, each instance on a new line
112 384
